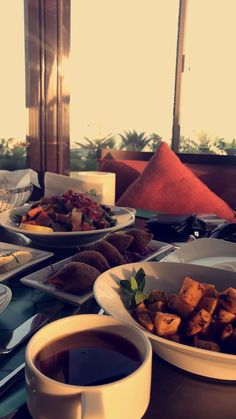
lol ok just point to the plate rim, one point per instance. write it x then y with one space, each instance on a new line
30 233
42 255
7 299
176 256
175 345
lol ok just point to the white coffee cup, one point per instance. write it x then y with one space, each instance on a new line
126 398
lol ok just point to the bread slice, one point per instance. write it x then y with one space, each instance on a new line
9 261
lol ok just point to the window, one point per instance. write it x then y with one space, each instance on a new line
13 112
122 67
121 70
208 85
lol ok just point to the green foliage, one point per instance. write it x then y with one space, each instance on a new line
203 138
133 141
204 143
188 146
11 159
155 141
96 144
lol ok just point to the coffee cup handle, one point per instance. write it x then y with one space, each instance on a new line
92 406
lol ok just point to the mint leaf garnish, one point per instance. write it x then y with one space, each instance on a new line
140 278
139 297
133 284
133 289
125 284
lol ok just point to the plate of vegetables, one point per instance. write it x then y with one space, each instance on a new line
66 220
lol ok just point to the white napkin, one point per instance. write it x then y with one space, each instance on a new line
102 183
18 178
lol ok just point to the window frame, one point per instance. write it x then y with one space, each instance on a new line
48 26
47 35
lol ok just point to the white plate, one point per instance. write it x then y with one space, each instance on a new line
68 238
169 277
37 256
36 279
206 252
5 297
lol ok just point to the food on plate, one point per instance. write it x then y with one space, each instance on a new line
113 256
69 211
12 259
74 277
228 300
141 238
36 228
121 241
92 258
197 315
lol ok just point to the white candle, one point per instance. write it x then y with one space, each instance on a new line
103 184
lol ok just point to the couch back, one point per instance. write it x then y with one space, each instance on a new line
217 172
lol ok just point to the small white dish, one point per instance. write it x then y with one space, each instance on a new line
169 277
5 297
206 252
37 256
68 238
37 279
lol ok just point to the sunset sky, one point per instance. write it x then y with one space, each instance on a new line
122 68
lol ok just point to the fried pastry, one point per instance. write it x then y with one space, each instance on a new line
112 255
141 238
92 258
74 277
121 241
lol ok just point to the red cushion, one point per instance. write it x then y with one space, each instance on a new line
126 172
168 186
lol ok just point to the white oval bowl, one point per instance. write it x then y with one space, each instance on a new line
169 277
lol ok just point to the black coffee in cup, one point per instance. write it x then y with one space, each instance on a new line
88 358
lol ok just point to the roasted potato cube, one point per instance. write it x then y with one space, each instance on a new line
166 324
228 299
201 317
225 316
210 290
206 344
228 330
157 306
199 320
192 328
141 308
191 291
145 320
179 306
208 303
157 296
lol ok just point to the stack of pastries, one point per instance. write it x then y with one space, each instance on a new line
79 275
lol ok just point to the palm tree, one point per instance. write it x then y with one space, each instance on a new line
133 141
96 144
155 141
188 145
